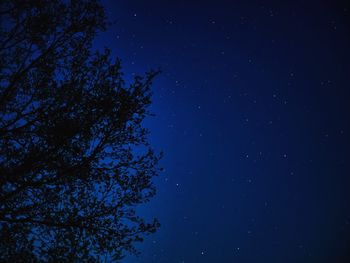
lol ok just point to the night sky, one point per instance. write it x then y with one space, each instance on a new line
251 112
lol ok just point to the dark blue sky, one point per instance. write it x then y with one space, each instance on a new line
252 115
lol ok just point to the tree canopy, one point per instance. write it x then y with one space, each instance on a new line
74 154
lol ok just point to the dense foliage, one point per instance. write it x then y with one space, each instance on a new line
74 156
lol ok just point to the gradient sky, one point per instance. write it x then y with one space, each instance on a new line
252 115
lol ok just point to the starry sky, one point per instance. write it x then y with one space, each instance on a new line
251 111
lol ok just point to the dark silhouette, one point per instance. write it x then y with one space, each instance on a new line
74 157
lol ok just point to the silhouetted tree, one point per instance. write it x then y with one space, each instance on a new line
74 157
